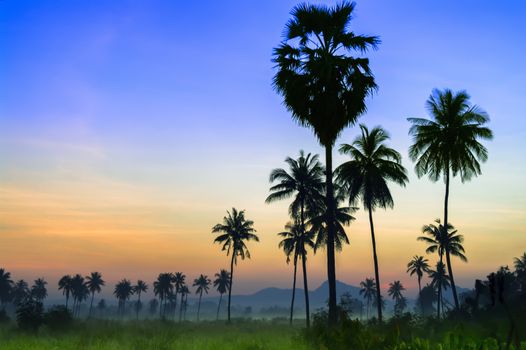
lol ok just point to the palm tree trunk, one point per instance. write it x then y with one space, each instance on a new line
175 305
376 271
293 288
306 290
420 295
219 305
181 308
450 270
199 305
231 280
91 304
138 303
331 263
160 306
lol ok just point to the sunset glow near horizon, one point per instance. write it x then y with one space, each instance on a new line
127 129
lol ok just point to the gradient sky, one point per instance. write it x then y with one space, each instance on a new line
127 128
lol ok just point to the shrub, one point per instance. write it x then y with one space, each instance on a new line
58 318
29 315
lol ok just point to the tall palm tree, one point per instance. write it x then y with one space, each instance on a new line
162 288
79 291
304 181
178 280
445 242
395 292
222 284
368 291
65 285
448 143
123 291
294 243
6 284
324 87
184 301
519 263
439 281
39 290
235 231
418 265
203 284
365 177
94 282
20 291
139 288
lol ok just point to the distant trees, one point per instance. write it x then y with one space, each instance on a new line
6 284
203 284
439 281
94 282
368 292
418 265
123 291
395 292
222 284
179 281
39 290
139 288
20 292
234 231
66 286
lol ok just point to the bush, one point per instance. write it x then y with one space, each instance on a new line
58 318
29 315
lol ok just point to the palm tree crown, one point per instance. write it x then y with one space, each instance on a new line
440 241
235 231
38 290
95 282
222 281
418 265
6 284
395 290
294 242
202 283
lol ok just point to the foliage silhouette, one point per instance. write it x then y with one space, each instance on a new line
418 265
203 284
222 285
139 288
94 282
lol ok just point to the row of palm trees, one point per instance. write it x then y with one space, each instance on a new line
324 86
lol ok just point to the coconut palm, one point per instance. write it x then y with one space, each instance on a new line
6 284
162 288
123 291
235 231
448 143
366 175
418 265
519 263
39 290
20 291
222 284
439 281
79 291
203 284
139 288
184 301
94 282
178 280
294 244
368 291
395 292
65 285
324 87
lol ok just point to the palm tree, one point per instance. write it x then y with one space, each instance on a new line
235 230
368 291
418 265
519 263
294 243
439 281
222 284
304 181
203 284
445 242
448 143
140 287
6 285
395 292
94 282
65 285
123 291
365 176
324 88
162 287
38 290
178 280
184 295
20 291
79 291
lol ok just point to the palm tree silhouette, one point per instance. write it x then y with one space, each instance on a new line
324 88
6 285
294 243
445 243
447 144
139 288
184 301
368 291
163 287
418 265
439 281
519 263
235 231
123 291
305 181
94 282
20 291
79 291
38 290
222 284
203 284
178 280
395 292
365 177
65 285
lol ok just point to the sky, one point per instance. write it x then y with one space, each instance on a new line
128 128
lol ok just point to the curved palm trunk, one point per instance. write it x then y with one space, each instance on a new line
331 264
219 305
448 260
420 295
231 279
161 306
199 305
293 289
376 271
306 290
91 304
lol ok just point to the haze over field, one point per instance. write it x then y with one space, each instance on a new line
127 131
